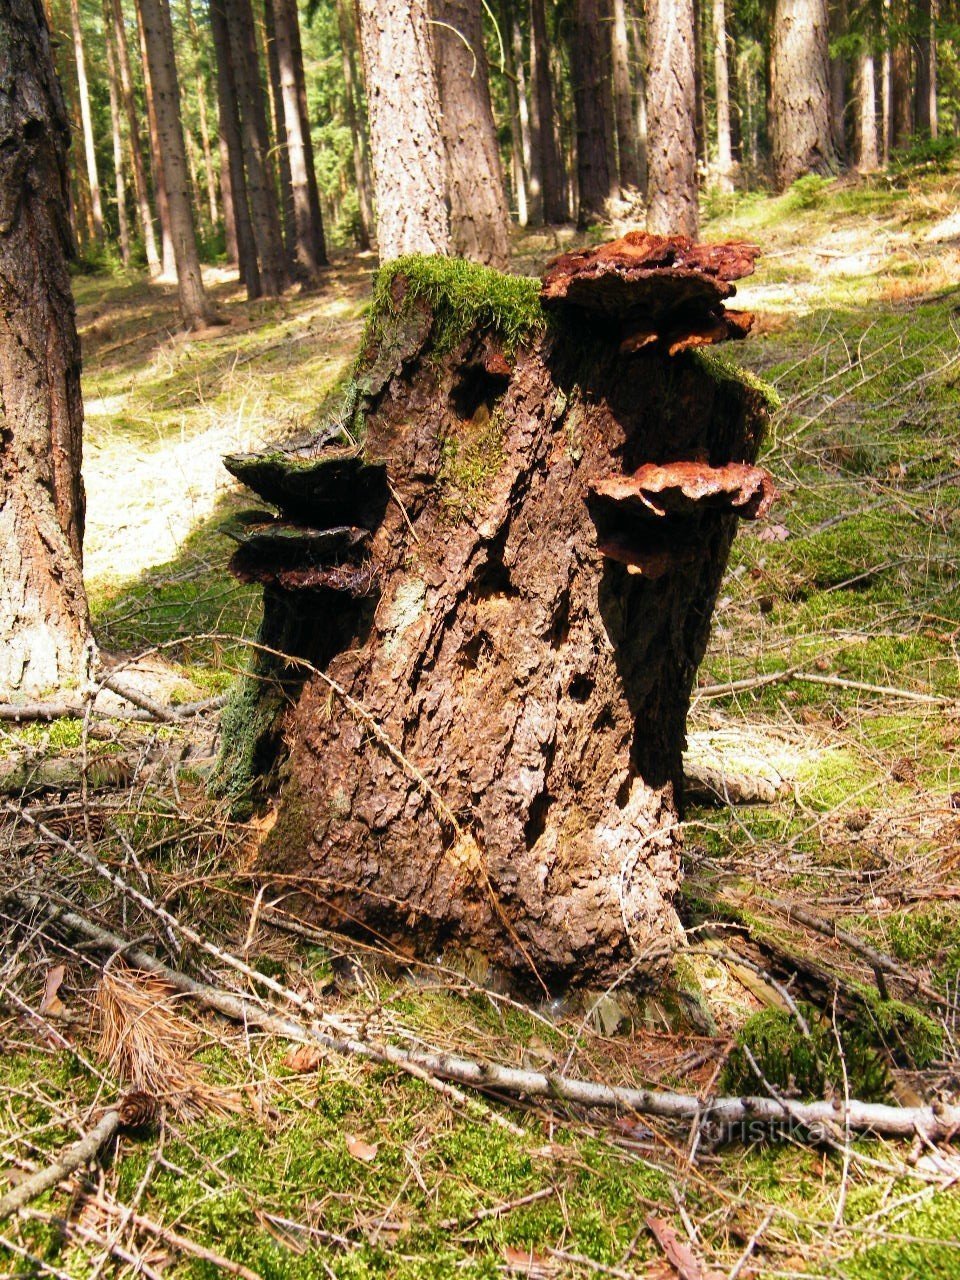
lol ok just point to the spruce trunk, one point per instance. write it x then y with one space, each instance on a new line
800 91
238 212
554 204
44 621
503 594
158 41
133 129
671 140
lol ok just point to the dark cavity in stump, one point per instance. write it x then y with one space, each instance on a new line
500 563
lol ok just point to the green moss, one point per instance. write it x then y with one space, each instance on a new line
462 296
724 370
801 1066
247 729
470 459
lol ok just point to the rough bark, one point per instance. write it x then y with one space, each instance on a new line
158 40
839 26
168 256
313 191
43 611
89 146
238 213
136 145
279 149
123 227
309 250
623 100
671 139
487 750
721 73
902 76
640 58
519 154
554 205
926 46
351 102
479 223
868 152
800 91
590 72
200 86
532 167
261 193
409 162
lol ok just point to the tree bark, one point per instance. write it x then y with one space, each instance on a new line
902 75
721 72
671 146
926 45
800 91
886 86
238 214
169 258
531 167
140 190
279 148
487 749
158 41
590 73
479 222
839 26
640 58
200 85
623 101
554 205
309 249
868 154
351 100
44 622
261 193
409 161
519 154
123 227
89 146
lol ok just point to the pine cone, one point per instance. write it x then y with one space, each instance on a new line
138 1110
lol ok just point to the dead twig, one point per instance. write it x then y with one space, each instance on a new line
936 1122
75 1157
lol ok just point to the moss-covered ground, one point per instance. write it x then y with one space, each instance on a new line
848 596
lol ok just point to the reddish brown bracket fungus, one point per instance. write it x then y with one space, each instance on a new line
683 488
659 287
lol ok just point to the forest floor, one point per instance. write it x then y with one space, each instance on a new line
833 675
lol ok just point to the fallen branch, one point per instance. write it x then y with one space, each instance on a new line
936 1122
808 677
68 1162
28 712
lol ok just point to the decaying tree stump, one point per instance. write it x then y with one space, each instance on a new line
504 588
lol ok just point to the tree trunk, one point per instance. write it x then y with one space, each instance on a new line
838 80
593 106
261 193
200 86
44 621
409 162
169 258
721 72
479 222
313 190
231 248
123 228
532 166
554 205
672 148
926 113
233 170
158 41
640 58
868 156
519 155
351 102
280 149
700 89
623 101
487 750
89 146
136 146
902 75
800 91
886 86
309 249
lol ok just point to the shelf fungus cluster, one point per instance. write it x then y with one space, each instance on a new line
503 594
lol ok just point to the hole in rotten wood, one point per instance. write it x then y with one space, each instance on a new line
474 387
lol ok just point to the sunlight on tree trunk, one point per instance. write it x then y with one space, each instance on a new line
671 145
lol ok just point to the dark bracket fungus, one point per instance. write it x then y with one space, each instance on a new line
503 592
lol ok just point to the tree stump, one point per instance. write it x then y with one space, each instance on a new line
500 562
